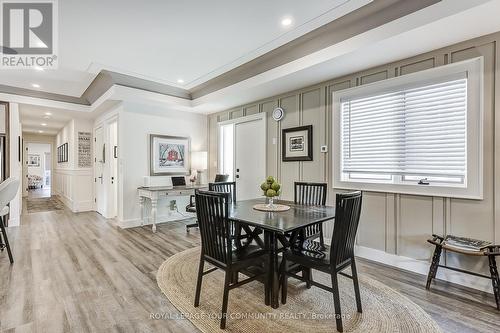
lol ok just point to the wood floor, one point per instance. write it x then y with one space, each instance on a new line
80 273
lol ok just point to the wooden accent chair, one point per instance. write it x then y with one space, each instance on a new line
331 259
217 249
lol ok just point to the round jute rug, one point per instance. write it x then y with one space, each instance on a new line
306 310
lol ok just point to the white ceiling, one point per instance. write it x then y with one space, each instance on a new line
32 118
167 40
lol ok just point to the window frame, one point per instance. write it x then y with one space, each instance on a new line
474 69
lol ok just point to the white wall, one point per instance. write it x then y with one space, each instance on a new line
74 184
136 122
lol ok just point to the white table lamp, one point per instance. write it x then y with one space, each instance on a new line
199 163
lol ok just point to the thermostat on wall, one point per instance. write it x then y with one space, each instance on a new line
278 114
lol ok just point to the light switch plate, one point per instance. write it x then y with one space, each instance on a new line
324 149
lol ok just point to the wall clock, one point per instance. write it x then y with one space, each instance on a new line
278 114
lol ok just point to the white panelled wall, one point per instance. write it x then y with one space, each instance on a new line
73 184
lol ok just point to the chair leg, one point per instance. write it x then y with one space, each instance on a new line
6 240
225 298
192 225
198 282
336 301
356 285
284 281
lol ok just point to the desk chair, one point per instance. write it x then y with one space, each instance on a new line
8 190
191 208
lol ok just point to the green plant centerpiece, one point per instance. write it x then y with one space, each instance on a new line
271 189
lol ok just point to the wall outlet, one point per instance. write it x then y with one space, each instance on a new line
173 205
324 149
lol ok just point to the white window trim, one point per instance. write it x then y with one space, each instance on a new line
475 100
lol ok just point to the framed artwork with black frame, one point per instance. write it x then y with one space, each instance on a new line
62 153
297 144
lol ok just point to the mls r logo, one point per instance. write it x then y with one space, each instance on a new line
27 27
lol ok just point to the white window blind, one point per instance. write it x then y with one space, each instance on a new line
419 131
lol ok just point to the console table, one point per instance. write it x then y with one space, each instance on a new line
490 251
153 193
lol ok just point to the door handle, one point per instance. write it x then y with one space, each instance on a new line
237 176
112 180
100 177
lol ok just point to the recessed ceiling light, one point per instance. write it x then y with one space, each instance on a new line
48 114
40 131
38 68
35 85
180 81
43 124
286 21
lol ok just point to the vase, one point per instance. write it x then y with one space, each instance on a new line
270 203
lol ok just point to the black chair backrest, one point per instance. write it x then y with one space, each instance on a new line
310 193
347 212
224 187
215 227
221 178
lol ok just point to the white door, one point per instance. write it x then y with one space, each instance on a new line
113 168
100 159
249 158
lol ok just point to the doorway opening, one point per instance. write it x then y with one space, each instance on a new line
106 168
242 154
39 170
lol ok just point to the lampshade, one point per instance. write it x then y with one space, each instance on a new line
199 160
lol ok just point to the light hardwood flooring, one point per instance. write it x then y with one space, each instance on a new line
80 273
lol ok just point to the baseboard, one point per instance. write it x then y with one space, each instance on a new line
131 223
83 206
66 201
422 267
14 222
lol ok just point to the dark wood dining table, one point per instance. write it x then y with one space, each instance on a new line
274 226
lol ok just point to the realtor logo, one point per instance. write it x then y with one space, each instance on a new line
29 34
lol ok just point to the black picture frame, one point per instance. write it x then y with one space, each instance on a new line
62 153
308 155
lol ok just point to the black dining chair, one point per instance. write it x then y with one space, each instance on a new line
313 194
331 259
191 208
216 248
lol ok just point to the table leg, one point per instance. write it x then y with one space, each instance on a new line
271 242
154 204
141 203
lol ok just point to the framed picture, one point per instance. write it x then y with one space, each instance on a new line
33 160
169 155
297 144
62 153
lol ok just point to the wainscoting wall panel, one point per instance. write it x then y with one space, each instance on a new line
394 223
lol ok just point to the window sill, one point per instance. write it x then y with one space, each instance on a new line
422 190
